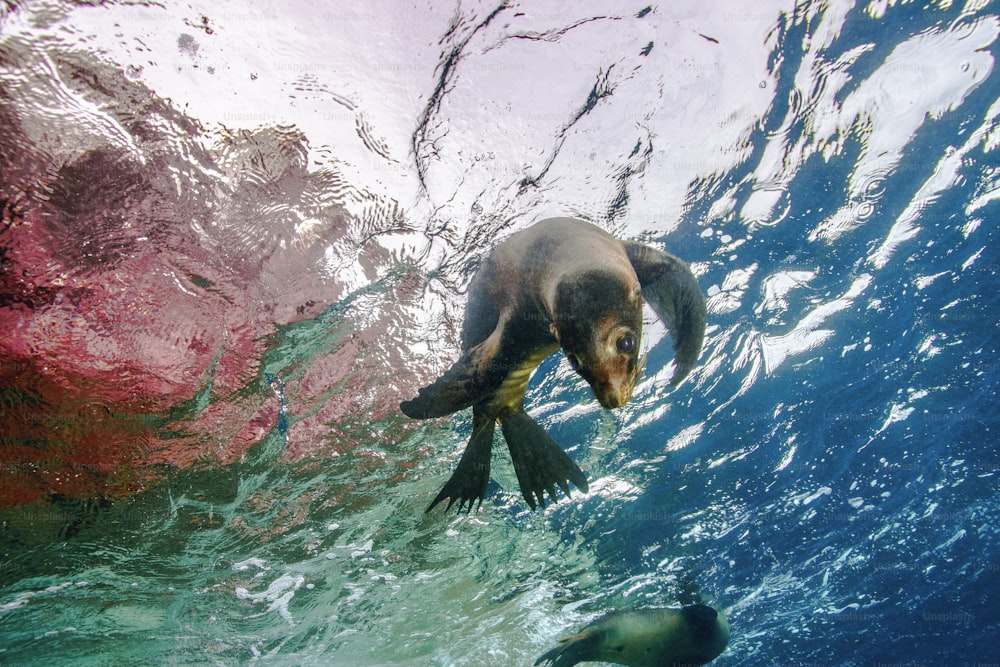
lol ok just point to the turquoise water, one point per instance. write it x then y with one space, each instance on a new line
233 239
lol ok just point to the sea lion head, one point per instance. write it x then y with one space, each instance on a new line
598 323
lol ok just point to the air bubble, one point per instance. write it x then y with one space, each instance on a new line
873 187
862 210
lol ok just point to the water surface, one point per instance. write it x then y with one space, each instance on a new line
234 237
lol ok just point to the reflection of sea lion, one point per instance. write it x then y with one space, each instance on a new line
560 283
690 635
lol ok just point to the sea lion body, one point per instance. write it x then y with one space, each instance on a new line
524 293
560 283
692 635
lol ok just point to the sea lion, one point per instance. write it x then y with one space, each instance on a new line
560 283
691 635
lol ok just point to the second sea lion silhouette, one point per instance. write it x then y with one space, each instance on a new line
563 283
666 637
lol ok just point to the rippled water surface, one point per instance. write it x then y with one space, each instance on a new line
234 237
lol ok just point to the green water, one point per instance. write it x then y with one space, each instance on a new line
321 562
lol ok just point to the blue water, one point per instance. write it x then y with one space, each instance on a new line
326 183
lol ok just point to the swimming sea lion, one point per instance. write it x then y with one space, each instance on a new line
691 635
560 283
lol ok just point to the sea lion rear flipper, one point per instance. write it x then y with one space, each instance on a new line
468 483
539 462
673 292
470 379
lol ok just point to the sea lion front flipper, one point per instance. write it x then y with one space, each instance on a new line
469 380
571 650
468 483
673 292
539 462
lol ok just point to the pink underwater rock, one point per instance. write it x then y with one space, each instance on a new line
166 300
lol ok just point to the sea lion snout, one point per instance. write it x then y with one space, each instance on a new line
612 401
612 380
614 390
614 393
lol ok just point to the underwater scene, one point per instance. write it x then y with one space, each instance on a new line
269 271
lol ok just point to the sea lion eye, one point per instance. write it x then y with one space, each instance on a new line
626 344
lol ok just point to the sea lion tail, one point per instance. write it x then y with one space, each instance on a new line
673 292
468 483
540 463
